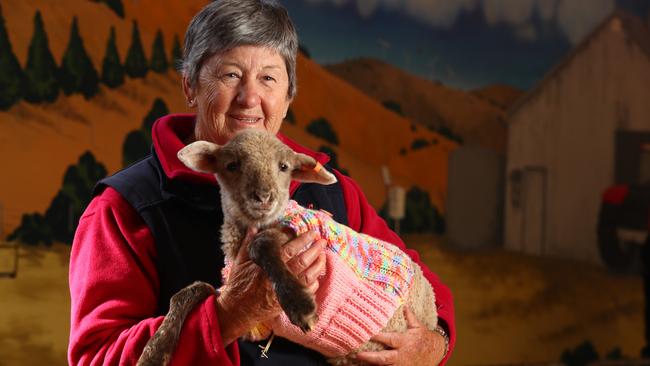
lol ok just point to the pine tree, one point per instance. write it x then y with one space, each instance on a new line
117 7
77 73
112 69
136 63
41 70
177 53
12 78
158 57
158 109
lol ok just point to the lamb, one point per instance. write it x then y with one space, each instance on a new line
356 299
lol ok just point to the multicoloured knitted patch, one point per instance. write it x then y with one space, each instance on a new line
371 259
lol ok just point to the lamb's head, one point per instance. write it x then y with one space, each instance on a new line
254 170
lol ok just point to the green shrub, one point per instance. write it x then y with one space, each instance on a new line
136 62
12 78
137 143
582 355
448 133
115 5
33 230
41 70
421 216
62 216
418 144
77 73
395 107
112 69
322 128
158 58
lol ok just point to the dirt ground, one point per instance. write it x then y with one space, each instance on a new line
509 308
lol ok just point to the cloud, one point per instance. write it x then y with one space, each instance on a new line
578 17
575 17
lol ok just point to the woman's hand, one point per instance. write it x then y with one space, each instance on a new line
247 297
416 346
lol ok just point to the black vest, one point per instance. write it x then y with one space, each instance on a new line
185 221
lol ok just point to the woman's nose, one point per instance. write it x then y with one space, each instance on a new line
248 95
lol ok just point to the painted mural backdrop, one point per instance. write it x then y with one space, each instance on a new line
421 90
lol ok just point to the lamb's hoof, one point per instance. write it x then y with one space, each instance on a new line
305 322
303 312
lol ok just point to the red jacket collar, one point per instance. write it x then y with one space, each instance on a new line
169 134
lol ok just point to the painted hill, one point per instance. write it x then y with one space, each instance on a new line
38 142
476 118
501 96
370 135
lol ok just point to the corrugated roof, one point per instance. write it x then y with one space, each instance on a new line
633 27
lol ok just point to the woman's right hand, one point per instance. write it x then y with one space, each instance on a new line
247 297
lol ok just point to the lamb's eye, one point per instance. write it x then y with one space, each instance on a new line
284 167
232 166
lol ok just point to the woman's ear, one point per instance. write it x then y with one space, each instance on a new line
200 156
308 170
190 95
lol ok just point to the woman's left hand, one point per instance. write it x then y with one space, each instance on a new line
416 346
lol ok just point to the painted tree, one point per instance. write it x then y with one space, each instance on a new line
322 128
177 53
12 78
62 216
136 62
158 109
77 73
116 6
41 70
137 143
112 69
158 58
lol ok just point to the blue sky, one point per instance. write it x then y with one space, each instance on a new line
463 43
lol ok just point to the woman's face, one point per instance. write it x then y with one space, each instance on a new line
245 87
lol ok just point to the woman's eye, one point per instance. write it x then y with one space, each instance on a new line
284 167
268 78
232 167
231 75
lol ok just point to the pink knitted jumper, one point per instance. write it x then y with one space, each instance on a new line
367 280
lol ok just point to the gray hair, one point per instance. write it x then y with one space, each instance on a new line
225 24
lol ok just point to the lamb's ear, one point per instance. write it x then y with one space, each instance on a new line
200 156
308 170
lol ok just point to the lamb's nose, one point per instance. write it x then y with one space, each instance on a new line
261 197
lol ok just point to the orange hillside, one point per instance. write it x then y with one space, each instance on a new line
479 122
372 134
502 96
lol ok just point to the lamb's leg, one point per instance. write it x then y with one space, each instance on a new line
161 346
295 300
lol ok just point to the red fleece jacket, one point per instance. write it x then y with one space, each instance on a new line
114 284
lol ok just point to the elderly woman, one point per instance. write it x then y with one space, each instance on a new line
152 228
